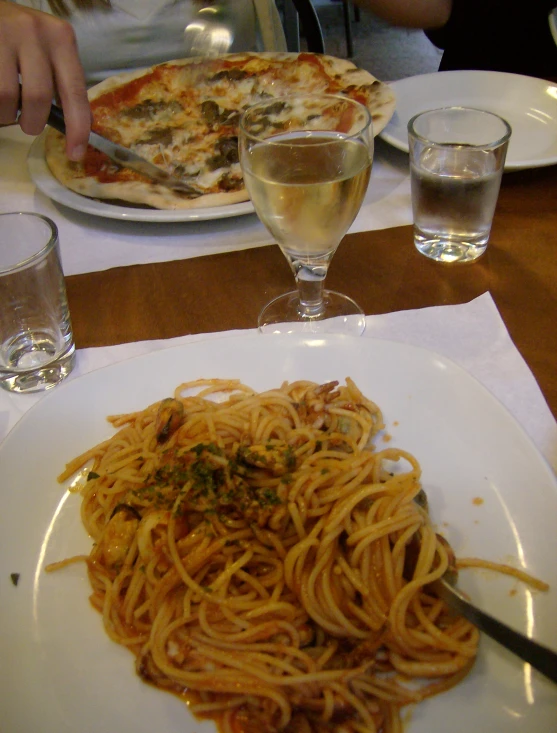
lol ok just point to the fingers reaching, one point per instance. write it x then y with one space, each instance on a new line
42 50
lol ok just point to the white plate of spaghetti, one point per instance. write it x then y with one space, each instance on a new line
250 549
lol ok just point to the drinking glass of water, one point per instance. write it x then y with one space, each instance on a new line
306 162
36 342
457 156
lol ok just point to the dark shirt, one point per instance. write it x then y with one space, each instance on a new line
499 35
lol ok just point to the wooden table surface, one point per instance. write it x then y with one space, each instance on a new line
381 270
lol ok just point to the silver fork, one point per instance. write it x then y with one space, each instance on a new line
540 657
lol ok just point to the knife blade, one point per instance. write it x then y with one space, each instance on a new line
125 157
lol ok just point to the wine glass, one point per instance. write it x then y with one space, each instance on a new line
306 162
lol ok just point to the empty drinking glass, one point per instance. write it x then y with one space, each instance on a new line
36 342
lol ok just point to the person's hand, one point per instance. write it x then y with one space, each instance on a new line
42 49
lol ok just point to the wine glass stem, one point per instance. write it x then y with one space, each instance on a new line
310 280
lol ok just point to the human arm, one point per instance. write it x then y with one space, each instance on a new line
42 50
410 13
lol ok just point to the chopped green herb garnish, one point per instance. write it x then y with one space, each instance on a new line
290 458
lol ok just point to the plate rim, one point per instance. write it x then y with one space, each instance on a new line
300 339
54 190
401 143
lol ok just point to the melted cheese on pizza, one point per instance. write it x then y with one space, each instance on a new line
185 117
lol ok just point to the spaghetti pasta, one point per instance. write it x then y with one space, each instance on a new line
475 562
251 549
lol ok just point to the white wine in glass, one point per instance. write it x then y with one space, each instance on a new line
306 162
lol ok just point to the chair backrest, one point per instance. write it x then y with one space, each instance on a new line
302 13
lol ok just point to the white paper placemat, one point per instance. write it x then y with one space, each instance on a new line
473 335
92 243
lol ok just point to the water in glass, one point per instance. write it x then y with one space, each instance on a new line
453 205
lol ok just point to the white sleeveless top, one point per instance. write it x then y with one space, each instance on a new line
140 33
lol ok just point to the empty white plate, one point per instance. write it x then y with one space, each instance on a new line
528 104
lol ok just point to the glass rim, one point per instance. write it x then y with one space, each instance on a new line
39 254
456 108
341 97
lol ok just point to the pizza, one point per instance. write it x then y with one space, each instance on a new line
183 116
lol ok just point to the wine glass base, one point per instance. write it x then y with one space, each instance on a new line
341 315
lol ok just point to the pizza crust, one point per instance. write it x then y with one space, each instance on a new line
379 99
381 102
